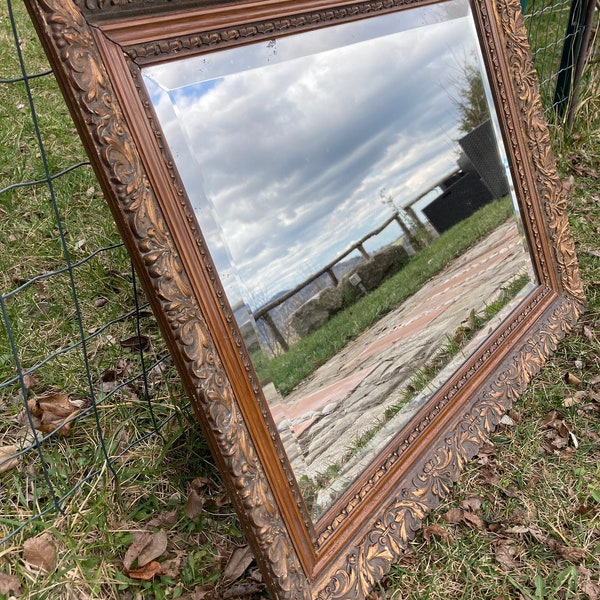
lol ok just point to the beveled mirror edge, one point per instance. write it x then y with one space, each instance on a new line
349 569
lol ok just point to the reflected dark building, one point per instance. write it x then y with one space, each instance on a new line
480 178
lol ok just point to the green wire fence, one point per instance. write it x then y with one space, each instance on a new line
84 374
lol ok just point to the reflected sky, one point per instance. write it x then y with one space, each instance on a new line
285 147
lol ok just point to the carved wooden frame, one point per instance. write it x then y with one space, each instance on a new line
96 48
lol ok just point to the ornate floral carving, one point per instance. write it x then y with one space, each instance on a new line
92 90
531 122
219 292
397 522
212 40
533 125
383 538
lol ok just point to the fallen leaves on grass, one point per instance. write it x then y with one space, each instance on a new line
8 460
145 548
458 515
505 553
51 412
472 503
40 552
577 398
571 553
591 590
486 453
147 572
156 548
169 517
10 583
237 564
573 380
436 531
29 381
195 500
136 343
532 530
558 435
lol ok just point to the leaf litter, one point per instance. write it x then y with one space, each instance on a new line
145 548
40 552
238 562
10 583
8 458
52 412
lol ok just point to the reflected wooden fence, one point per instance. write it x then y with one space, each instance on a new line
264 312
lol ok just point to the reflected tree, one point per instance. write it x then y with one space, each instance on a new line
469 95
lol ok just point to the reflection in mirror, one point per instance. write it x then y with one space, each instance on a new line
355 197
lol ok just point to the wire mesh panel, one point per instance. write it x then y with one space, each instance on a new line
561 37
84 375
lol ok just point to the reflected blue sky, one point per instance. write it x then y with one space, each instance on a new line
285 146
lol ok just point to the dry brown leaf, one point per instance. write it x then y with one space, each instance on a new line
136 343
200 592
100 301
472 519
172 566
557 434
551 418
592 435
242 590
571 553
51 412
195 501
584 509
576 398
571 379
8 460
147 572
505 552
40 552
29 381
473 503
486 453
536 532
199 483
517 529
156 547
193 506
10 583
591 590
373 595
407 558
164 518
454 516
436 531
140 540
489 476
238 562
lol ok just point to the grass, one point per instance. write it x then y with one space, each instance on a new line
523 521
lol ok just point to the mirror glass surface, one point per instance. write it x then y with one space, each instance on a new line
354 193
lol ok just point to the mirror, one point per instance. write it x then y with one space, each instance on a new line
265 159
295 150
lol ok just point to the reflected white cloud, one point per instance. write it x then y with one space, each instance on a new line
285 147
